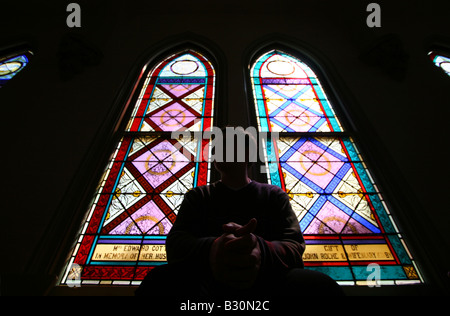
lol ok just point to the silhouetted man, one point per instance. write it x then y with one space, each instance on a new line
236 237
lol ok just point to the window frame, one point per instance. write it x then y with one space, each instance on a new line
356 125
70 216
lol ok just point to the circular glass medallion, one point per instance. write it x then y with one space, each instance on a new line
184 67
280 68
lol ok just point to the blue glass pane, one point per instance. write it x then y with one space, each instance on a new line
11 66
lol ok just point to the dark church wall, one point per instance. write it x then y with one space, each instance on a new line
56 114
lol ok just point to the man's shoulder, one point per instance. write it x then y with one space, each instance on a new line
200 190
267 189
262 188
203 191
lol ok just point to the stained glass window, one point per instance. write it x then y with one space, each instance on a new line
11 65
441 61
345 221
143 185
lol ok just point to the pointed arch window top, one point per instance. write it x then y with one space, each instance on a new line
187 65
279 65
291 98
177 95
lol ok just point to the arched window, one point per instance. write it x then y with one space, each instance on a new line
12 64
441 61
149 172
345 222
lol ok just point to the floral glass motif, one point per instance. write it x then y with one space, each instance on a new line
143 185
11 66
441 61
345 222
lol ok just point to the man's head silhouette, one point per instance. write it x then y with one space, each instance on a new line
234 150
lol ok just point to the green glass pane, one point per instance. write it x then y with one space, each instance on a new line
386 273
